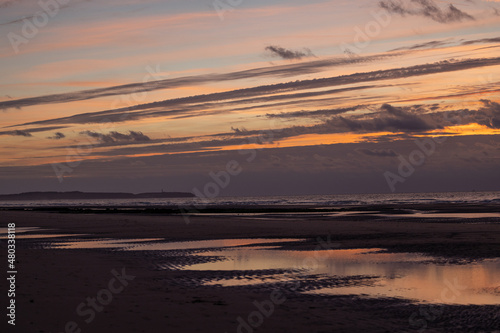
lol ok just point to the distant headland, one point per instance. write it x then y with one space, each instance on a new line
77 195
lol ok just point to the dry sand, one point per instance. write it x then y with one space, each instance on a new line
53 283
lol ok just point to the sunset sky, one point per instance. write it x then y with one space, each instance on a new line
307 97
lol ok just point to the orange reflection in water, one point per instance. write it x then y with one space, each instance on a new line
103 243
401 275
158 244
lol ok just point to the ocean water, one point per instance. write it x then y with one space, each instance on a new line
306 200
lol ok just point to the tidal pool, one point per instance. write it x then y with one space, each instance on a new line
401 275
18 230
154 244
25 233
411 276
102 243
446 215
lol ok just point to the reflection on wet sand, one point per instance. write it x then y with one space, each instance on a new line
103 243
25 233
153 244
403 275
410 276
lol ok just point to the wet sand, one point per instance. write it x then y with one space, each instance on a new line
52 283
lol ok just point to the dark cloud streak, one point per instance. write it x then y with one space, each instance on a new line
114 136
148 110
27 132
57 136
286 54
278 71
377 152
426 8
445 42
427 45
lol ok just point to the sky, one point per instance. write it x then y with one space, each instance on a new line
240 97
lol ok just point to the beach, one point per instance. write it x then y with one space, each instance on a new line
233 166
152 290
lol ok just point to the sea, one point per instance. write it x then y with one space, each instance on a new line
302 200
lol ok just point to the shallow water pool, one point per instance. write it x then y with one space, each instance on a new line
401 275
